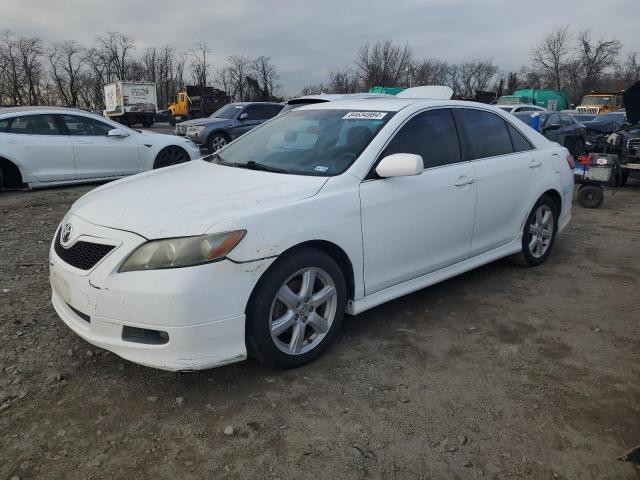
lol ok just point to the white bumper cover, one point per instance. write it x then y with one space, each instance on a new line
200 308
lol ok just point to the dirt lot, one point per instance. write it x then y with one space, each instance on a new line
501 373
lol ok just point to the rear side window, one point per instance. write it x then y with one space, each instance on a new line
486 133
431 134
34 125
519 141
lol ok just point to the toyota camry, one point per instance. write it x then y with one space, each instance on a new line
330 209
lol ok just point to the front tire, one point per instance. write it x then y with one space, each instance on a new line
296 309
217 141
171 155
539 233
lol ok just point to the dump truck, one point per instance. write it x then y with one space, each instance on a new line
597 103
196 102
131 102
550 99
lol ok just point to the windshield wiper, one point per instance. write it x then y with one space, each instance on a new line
251 165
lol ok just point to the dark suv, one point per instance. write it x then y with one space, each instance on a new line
228 123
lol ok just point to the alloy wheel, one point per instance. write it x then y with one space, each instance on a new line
541 231
171 156
303 311
217 142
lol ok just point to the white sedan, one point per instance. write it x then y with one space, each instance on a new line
328 209
46 146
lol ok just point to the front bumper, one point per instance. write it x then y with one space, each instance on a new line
200 308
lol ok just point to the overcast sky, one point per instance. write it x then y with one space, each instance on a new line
307 39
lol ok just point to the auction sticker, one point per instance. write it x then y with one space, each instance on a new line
365 115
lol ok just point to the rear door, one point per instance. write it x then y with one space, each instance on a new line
96 154
415 225
507 169
37 143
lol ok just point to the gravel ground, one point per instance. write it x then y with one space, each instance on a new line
503 372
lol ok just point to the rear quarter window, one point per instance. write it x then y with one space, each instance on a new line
519 141
4 124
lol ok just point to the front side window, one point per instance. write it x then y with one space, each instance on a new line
84 126
306 142
432 135
486 133
261 112
34 125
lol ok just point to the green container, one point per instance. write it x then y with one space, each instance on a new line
387 90
549 99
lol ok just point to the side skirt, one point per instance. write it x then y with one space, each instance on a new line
410 286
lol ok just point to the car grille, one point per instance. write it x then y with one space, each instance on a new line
589 110
633 145
82 255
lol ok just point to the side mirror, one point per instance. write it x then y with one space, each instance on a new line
400 165
243 116
117 132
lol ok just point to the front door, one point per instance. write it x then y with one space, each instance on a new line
412 226
98 155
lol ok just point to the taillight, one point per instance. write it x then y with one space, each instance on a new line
570 161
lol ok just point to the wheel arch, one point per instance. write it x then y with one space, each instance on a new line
331 249
218 130
166 147
556 198
12 173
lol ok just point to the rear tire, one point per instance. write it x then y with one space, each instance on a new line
590 196
171 155
1 180
539 233
296 309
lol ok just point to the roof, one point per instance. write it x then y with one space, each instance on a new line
392 104
332 97
12 110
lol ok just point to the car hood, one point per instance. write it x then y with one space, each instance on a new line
602 126
189 199
204 121
632 103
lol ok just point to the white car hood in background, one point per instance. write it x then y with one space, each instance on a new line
188 199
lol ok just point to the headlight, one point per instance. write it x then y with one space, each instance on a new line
182 251
195 129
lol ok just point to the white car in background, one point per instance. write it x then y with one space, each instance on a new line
520 108
45 146
333 208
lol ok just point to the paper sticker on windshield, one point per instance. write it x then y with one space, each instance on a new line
320 168
364 115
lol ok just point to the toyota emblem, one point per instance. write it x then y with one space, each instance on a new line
66 232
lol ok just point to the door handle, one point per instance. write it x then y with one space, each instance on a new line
535 163
464 180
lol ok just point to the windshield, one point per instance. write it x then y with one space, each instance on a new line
595 100
300 103
306 142
507 109
229 111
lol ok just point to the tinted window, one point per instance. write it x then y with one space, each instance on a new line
553 119
4 124
487 134
565 121
84 126
432 134
34 125
520 143
262 112
229 111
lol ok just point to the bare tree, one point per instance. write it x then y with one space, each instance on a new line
316 89
431 71
224 81
266 75
11 73
383 64
343 81
31 51
66 60
200 64
467 78
595 58
552 53
238 69
114 50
